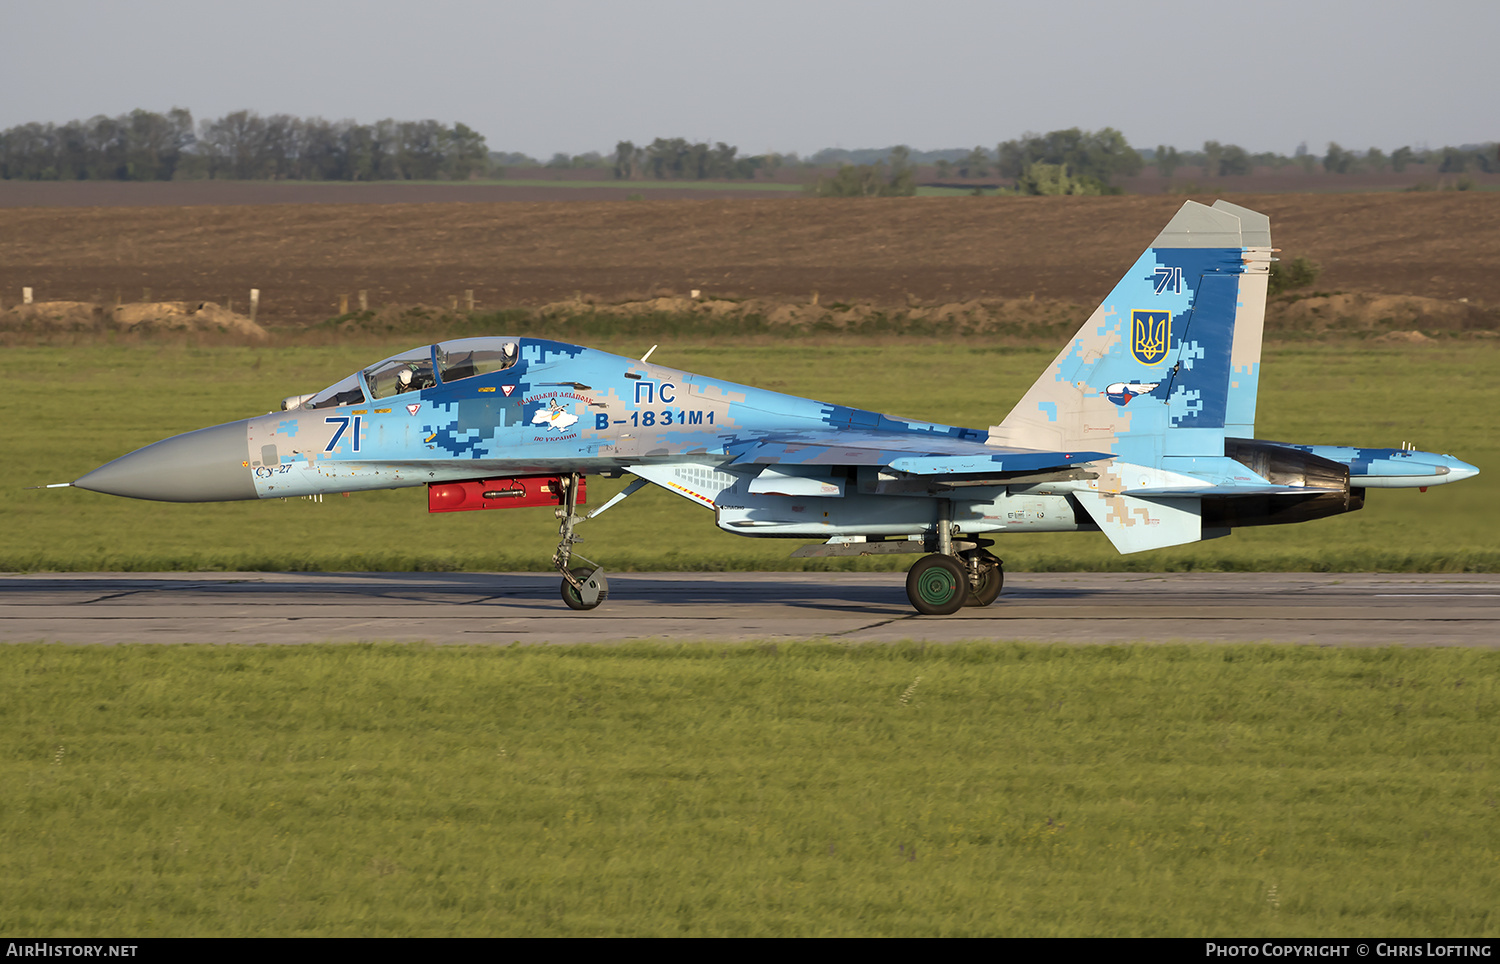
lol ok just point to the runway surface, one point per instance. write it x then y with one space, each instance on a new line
501 608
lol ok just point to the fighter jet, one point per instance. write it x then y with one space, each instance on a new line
1142 427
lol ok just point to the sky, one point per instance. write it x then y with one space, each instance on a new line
545 76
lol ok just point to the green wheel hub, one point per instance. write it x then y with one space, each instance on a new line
937 585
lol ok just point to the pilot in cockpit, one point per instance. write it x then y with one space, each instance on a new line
410 380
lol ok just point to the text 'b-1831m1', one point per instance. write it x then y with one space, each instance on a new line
1143 427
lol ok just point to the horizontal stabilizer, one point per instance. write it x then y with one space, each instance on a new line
1136 524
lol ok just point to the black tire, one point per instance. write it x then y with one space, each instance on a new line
937 585
570 595
991 580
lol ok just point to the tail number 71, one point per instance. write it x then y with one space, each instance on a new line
342 421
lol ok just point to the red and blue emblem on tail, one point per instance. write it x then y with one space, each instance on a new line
1122 392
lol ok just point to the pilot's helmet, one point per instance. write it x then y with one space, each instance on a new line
403 378
509 348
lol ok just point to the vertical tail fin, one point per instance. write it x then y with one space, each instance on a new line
1170 362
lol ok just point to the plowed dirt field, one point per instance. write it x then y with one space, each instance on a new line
892 251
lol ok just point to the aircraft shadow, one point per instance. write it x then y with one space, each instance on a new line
796 590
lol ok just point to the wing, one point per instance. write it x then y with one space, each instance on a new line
821 464
912 453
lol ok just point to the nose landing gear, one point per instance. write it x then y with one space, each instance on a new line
584 588
581 588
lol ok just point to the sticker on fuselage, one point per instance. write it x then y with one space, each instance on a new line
554 416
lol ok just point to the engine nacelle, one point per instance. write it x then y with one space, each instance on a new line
513 493
1283 465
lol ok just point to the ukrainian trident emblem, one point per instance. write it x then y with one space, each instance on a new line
1150 334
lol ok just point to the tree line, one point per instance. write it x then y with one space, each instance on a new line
1075 161
676 159
147 146
1070 161
1223 160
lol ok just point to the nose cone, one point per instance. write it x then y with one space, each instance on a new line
208 465
1446 468
1459 470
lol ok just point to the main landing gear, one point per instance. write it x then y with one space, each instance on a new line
582 588
957 575
941 585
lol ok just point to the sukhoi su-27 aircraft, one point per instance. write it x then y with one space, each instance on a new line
1143 427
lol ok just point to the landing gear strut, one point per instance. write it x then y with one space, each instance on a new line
986 576
582 588
955 576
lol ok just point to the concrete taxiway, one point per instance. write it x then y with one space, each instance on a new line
501 608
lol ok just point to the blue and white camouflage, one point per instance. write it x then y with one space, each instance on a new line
1142 427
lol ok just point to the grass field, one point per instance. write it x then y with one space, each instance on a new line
86 404
804 789
701 789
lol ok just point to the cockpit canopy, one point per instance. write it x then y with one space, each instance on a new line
411 371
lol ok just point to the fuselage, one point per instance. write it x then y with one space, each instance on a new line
556 407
